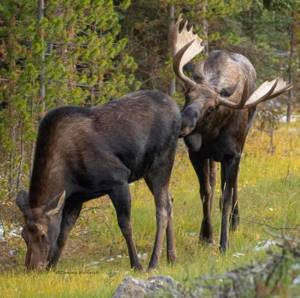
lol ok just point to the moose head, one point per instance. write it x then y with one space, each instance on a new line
202 99
41 229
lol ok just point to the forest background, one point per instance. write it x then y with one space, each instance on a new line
88 52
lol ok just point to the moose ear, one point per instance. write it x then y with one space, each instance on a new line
22 201
58 201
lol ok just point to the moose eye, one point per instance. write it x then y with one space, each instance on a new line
31 228
210 109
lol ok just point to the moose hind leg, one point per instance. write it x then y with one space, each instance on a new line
121 199
70 214
158 183
171 254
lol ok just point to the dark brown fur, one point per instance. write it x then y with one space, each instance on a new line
90 152
218 133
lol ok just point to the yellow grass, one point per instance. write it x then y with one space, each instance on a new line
95 259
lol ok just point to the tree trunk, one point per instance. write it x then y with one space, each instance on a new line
11 46
42 90
290 68
205 26
172 85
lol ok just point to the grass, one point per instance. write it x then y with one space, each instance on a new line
95 259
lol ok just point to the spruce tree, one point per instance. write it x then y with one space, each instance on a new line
68 53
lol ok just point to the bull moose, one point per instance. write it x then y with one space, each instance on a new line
220 104
85 153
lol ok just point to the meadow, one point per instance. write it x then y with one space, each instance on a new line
95 259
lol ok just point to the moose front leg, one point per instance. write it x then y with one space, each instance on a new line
121 199
70 214
212 178
203 169
230 168
222 187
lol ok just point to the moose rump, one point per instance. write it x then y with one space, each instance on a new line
84 153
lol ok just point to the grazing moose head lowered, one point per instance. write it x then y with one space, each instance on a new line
220 103
85 153
41 229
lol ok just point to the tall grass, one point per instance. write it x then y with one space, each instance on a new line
95 259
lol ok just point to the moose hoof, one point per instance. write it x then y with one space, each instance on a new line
171 257
206 239
137 267
206 234
234 223
151 268
223 249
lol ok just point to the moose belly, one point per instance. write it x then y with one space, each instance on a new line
219 151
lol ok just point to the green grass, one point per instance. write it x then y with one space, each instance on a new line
95 259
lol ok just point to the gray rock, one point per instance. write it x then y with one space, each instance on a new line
255 280
156 286
1 232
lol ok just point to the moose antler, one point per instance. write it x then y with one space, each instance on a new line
265 91
185 45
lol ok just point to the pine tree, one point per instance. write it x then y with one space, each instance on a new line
69 52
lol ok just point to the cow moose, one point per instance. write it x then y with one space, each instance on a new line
220 104
85 153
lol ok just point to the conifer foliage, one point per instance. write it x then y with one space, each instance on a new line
87 52
55 53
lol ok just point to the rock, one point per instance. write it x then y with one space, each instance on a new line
152 287
264 245
255 280
1 232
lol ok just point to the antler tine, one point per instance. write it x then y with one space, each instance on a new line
185 25
265 91
185 46
281 87
262 93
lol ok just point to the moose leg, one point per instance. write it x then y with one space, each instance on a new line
235 218
69 217
212 179
158 182
171 254
121 199
202 168
230 168
222 187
